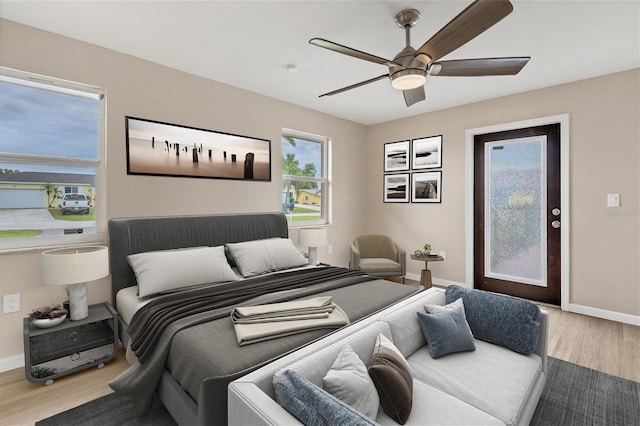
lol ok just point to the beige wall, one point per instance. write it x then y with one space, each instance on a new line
604 148
604 157
142 89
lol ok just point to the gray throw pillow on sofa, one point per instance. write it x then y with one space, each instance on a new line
499 319
393 378
312 405
348 380
447 332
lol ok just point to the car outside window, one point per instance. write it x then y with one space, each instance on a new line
51 144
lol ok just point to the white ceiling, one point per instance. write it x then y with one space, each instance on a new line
248 44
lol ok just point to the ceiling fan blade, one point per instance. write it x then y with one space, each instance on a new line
353 86
351 52
478 67
478 17
414 95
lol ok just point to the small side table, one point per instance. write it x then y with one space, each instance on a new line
71 346
425 275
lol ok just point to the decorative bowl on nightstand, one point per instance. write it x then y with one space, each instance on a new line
48 322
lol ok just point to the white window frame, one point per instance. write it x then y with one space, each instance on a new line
75 89
324 180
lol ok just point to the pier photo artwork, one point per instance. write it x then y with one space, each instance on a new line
156 148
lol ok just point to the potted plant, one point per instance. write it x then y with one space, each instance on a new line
426 248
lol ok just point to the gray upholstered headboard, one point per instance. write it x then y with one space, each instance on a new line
140 234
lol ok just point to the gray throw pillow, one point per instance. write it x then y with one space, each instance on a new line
312 405
447 332
434 309
348 380
499 319
393 378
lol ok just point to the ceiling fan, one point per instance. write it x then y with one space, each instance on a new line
409 69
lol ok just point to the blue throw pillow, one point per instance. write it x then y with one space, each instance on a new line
312 405
446 332
499 319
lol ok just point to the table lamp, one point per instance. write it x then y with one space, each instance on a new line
75 266
312 238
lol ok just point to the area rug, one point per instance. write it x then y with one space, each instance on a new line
573 395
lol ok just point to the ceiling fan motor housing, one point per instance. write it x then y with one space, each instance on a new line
411 74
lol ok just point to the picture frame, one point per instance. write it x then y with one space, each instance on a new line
396 188
396 156
163 149
426 153
426 187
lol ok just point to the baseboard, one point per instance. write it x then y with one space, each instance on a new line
11 362
447 283
604 314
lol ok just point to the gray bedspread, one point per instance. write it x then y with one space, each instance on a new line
200 351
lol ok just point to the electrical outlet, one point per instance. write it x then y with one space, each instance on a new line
11 303
443 254
329 249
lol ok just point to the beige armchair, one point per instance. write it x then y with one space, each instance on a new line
378 255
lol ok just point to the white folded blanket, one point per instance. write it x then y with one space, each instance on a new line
262 322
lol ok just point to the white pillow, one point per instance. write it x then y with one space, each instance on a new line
456 304
349 381
260 256
164 270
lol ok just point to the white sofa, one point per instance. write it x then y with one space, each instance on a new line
491 385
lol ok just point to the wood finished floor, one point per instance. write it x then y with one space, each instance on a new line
607 346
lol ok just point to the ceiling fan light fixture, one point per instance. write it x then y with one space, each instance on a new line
408 79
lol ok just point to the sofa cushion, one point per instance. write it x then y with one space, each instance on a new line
446 332
348 380
500 319
492 378
312 405
405 327
438 408
392 377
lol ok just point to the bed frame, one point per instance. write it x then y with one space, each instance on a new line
135 235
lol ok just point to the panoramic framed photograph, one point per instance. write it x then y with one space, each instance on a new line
427 187
164 149
396 156
396 188
427 153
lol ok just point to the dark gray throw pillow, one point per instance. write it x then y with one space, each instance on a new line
447 332
393 378
499 319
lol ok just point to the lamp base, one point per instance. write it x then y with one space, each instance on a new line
78 301
313 256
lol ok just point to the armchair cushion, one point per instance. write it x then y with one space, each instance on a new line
379 265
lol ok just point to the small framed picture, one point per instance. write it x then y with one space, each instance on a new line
396 156
396 188
427 187
427 153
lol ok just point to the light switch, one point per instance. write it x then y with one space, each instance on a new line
613 200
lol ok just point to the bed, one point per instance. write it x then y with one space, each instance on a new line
189 357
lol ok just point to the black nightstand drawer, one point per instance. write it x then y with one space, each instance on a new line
57 344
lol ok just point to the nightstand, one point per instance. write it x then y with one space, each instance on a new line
71 346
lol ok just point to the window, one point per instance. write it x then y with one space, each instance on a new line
51 144
305 178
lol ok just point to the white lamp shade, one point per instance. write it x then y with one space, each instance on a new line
312 237
74 265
